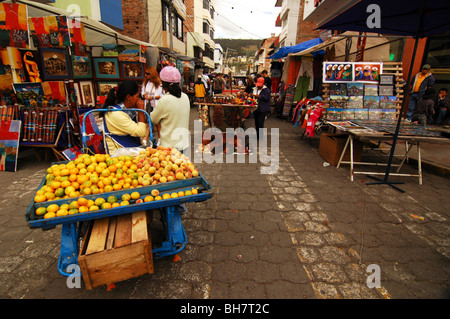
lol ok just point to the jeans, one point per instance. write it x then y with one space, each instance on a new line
259 121
413 98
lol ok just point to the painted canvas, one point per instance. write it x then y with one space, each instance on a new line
14 26
9 145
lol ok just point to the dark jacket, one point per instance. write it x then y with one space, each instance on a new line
427 82
424 106
263 100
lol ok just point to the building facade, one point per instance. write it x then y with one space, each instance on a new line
199 27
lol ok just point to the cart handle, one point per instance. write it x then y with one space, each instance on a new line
84 136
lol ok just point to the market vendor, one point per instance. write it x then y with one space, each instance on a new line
120 129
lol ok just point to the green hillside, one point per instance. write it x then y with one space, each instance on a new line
239 47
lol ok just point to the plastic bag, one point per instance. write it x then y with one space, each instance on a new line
123 151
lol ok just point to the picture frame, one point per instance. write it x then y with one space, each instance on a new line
106 68
132 70
386 79
82 66
87 93
337 72
103 88
368 72
386 90
55 64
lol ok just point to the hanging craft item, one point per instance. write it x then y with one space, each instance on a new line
14 26
203 114
51 31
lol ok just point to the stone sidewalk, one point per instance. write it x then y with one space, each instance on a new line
306 232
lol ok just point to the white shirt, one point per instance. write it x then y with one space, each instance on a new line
150 89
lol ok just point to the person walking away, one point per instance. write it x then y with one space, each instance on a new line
262 94
424 108
207 81
120 130
173 111
441 107
199 89
219 84
422 81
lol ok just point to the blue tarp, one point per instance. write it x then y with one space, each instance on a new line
284 51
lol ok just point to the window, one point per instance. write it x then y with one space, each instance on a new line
205 27
206 4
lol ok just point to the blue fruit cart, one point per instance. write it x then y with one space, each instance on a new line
71 225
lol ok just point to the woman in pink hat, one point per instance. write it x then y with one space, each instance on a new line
173 110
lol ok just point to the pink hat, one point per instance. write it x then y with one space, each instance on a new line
260 81
170 74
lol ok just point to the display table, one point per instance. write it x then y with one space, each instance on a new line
234 116
368 131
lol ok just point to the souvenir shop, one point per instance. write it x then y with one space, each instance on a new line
53 69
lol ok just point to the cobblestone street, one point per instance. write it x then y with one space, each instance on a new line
305 232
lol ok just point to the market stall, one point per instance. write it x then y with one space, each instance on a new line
347 146
56 70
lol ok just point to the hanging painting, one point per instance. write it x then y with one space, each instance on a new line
13 25
9 145
51 31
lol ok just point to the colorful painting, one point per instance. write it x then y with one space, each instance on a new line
133 70
335 72
355 89
87 93
12 64
14 25
30 59
338 89
371 102
50 31
106 68
388 102
368 71
55 64
77 37
81 67
130 53
9 145
110 50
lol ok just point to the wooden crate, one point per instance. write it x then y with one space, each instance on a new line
115 249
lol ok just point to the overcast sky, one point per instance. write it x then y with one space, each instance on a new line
245 19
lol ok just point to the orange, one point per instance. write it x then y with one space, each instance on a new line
59 192
69 189
148 198
83 209
90 203
62 212
87 191
40 198
117 187
108 188
93 207
49 215
124 203
55 185
53 208
64 172
114 205
135 195
73 177
106 206
82 201
49 196
65 184
41 211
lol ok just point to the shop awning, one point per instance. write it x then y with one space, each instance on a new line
285 51
417 18
96 32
